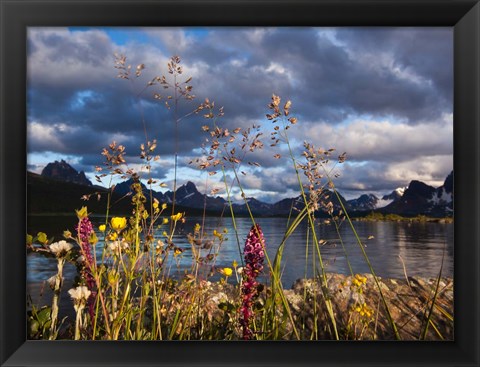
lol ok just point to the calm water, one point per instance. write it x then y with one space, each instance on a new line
419 245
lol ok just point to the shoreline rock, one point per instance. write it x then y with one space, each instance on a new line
359 311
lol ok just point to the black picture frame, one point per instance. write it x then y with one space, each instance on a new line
17 15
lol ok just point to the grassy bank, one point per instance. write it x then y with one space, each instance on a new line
375 216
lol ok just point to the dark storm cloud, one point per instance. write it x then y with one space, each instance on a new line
426 51
331 81
95 109
77 106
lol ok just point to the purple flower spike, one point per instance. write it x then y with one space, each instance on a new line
85 230
254 255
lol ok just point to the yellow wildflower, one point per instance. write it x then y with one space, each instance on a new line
364 311
164 206
177 217
82 213
112 236
93 238
102 227
177 251
226 271
118 223
29 239
165 221
361 279
42 237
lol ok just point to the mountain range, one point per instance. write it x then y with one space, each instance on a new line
417 198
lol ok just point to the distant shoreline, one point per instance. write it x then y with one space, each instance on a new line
361 217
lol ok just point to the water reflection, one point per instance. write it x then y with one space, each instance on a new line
419 245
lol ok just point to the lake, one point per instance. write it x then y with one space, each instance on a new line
420 246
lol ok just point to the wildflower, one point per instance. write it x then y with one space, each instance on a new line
164 206
117 246
217 234
79 296
165 221
254 256
102 227
93 239
176 217
364 311
42 237
60 249
85 230
226 271
112 236
359 280
82 213
29 239
52 281
118 223
177 251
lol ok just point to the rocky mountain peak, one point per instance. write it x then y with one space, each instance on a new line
448 184
61 170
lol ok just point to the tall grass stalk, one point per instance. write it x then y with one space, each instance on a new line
367 260
326 297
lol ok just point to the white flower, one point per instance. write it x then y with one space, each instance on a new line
80 293
79 296
61 248
51 281
117 246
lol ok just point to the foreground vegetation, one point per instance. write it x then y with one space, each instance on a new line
124 289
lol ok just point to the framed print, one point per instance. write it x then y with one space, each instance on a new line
239 183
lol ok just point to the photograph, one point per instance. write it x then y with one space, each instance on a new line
240 183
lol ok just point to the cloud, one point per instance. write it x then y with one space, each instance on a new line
376 93
381 141
384 177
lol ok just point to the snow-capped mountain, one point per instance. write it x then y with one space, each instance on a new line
417 198
395 194
422 199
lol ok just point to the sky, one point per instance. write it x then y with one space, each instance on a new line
382 95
